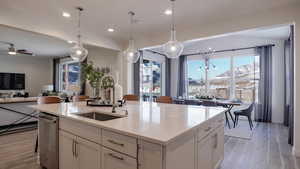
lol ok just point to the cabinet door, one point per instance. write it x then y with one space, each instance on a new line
150 156
114 160
204 153
218 147
88 154
66 151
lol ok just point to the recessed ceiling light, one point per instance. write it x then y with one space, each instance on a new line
110 30
66 14
168 12
69 41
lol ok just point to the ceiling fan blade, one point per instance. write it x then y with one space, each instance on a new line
24 52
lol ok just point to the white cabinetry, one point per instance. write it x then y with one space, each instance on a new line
150 156
114 160
218 147
210 149
88 154
90 147
67 158
78 153
204 157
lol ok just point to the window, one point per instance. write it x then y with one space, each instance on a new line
69 75
196 78
246 72
152 79
224 77
219 77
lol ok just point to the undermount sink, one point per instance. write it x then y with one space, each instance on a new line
98 116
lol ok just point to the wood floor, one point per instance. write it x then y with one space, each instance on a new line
268 149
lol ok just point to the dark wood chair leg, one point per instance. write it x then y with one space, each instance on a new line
36 144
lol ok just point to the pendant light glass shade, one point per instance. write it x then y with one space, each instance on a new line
131 53
173 49
78 52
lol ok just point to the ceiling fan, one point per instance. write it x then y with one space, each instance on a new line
13 51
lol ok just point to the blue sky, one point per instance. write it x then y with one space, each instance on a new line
222 65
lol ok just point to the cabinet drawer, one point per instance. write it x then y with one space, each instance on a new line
218 121
113 160
81 129
120 143
204 130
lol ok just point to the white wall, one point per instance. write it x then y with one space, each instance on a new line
237 41
103 57
38 70
278 16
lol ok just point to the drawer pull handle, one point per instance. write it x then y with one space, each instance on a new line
116 157
206 130
115 143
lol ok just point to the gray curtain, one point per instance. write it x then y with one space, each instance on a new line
287 81
168 77
55 77
137 74
263 112
82 92
181 88
289 85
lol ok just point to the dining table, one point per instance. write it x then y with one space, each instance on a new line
229 104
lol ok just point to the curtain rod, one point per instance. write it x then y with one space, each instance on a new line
228 50
156 52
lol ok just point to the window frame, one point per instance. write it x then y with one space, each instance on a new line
61 71
232 82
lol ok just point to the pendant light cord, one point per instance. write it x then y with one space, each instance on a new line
131 25
79 24
173 15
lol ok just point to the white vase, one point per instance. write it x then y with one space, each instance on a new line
118 89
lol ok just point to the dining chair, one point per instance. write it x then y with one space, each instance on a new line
244 112
45 100
79 98
164 99
131 97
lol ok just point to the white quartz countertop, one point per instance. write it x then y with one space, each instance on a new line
18 100
156 122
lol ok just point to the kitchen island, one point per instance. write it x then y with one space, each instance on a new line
140 135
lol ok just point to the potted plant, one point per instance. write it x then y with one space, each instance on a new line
93 75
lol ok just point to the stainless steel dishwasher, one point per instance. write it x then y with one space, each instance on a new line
48 141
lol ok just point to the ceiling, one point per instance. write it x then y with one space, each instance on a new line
40 45
45 16
277 33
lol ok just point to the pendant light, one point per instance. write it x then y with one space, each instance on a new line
78 52
173 49
131 53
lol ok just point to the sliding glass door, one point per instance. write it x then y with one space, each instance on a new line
69 75
152 79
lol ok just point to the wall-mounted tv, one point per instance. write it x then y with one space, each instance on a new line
12 81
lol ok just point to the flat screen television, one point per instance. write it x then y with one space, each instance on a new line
12 81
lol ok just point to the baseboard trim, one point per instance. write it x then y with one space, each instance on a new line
295 152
